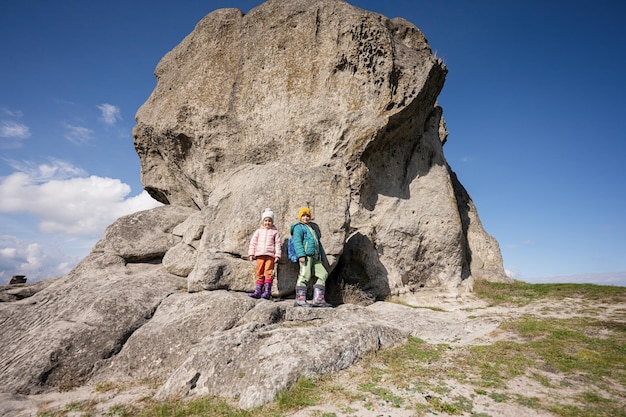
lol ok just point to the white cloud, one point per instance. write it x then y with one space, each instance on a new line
72 211
110 113
8 253
11 129
12 113
55 170
511 274
78 134
73 206
32 259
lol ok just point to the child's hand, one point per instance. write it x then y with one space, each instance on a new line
251 257
302 259
276 259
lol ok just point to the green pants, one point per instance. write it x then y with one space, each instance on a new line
312 267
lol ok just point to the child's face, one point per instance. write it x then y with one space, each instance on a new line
305 218
267 222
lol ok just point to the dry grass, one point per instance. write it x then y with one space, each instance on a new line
352 294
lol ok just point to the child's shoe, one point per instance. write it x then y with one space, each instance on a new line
267 294
257 291
301 297
318 296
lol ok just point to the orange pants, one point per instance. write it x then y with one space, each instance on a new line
264 269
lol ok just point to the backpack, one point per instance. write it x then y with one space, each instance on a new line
291 249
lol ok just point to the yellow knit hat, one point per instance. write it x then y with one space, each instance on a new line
303 211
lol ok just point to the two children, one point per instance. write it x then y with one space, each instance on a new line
265 247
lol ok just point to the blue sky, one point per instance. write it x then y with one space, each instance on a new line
535 103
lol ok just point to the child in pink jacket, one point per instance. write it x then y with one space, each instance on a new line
265 247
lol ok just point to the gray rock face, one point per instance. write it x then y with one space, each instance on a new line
298 103
307 84
257 360
60 335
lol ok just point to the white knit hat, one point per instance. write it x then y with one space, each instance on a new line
268 213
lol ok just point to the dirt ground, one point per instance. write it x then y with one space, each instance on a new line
468 309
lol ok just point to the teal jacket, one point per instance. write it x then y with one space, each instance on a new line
305 243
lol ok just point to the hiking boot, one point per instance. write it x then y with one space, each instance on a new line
301 297
318 296
267 294
257 291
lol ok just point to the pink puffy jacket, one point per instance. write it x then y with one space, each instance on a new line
265 242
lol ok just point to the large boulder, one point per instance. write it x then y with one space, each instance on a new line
320 104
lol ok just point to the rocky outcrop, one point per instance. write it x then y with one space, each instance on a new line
298 103
58 336
232 346
217 343
318 104
14 292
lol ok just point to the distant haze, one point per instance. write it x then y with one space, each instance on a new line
607 278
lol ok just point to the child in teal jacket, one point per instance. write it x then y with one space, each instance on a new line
306 241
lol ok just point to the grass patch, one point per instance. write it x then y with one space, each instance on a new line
497 363
75 406
303 394
558 353
463 403
207 406
382 393
443 407
106 386
528 402
565 346
409 362
498 397
587 410
120 411
520 293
